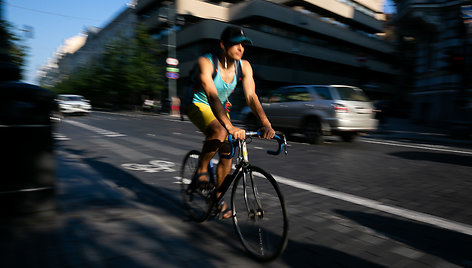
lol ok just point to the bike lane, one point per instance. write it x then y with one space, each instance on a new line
108 218
331 230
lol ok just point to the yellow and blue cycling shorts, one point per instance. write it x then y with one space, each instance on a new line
201 115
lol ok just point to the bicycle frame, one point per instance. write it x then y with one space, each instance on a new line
242 163
262 225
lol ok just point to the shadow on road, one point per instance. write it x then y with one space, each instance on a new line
107 229
169 200
449 245
454 159
297 254
311 255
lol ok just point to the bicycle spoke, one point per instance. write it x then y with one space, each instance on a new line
257 198
196 201
261 219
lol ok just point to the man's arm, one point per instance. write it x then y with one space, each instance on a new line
206 71
253 102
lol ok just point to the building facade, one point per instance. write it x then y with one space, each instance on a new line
441 45
295 42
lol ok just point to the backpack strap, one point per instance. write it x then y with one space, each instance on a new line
214 59
239 71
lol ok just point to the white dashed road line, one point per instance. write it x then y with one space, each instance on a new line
100 131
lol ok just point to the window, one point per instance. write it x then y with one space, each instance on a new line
351 94
323 93
298 94
278 96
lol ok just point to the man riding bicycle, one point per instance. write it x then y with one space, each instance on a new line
207 110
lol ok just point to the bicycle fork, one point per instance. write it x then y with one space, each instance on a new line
252 213
250 185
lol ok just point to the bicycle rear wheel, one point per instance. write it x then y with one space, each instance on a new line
196 201
260 216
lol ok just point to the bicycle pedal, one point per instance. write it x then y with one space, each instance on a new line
206 192
214 214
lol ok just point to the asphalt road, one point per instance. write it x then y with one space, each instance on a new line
372 202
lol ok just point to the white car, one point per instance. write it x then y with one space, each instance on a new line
71 104
317 110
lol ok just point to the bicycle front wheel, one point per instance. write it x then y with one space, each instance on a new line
196 201
260 216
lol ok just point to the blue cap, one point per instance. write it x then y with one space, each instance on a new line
236 35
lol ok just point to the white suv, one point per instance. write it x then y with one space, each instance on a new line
317 110
69 104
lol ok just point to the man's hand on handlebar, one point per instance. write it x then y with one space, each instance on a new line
267 132
237 133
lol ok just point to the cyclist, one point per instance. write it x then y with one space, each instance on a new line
207 110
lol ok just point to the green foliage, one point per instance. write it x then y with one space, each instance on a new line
13 49
127 70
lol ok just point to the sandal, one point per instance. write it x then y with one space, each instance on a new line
203 184
226 213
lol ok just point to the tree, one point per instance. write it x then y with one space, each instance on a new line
127 70
12 53
145 74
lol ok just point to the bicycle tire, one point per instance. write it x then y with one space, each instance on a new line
196 202
264 235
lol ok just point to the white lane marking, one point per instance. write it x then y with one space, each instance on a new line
405 213
418 146
100 131
60 137
152 167
402 212
28 190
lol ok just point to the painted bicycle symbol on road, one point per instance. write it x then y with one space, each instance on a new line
153 166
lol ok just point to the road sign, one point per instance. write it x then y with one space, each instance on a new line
172 75
172 69
172 61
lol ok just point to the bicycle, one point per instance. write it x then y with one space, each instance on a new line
258 207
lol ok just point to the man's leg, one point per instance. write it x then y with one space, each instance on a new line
224 165
222 170
215 135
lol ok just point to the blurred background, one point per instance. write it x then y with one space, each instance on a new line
394 196
410 56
